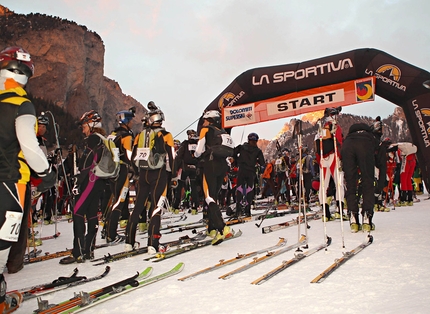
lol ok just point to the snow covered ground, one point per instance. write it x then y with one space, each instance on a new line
390 276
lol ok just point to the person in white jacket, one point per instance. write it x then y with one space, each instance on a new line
20 151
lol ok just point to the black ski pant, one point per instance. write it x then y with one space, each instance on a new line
86 208
120 192
244 191
152 185
214 172
358 156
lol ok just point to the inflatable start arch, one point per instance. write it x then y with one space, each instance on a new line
269 93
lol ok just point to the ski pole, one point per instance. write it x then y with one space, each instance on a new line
338 184
322 179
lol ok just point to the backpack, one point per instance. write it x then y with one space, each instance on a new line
108 165
221 144
150 151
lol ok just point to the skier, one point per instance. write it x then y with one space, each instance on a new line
358 154
247 156
88 190
48 196
187 162
214 146
308 172
123 138
282 168
325 140
269 179
20 151
407 152
151 148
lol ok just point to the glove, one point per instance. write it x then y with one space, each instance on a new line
49 178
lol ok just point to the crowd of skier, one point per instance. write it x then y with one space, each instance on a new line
358 170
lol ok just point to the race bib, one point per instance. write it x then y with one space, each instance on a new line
115 152
142 153
192 147
11 227
227 140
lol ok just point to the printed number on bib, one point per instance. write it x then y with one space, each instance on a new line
192 147
11 227
227 140
142 153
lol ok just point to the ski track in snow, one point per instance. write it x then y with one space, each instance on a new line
389 276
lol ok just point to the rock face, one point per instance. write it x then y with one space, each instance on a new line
69 61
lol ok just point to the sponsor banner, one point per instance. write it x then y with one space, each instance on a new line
293 104
423 120
238 115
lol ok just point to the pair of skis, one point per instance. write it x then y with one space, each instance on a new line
158 257
277 250
109 258
58 284
85 300
289 223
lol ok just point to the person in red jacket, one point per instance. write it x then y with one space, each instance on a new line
407 151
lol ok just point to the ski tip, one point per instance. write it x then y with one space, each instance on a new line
328 242
180 266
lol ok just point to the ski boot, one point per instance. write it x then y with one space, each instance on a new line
354 223
367 223
130 247
143 226
12 302
154 246
328 216
227 232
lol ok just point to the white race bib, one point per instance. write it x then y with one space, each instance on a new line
11 227
142 153
115 154
192 147
227 140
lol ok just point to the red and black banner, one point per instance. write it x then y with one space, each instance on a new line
276 92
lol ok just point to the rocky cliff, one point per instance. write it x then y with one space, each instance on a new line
69 61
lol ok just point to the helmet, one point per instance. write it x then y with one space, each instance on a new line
253 137
124 116
212 115
16 63
191 134
155 116
92 118
177 142
43 120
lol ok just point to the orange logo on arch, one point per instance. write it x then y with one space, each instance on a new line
390 71
227 96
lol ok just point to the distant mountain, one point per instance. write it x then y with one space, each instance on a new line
394 127
69 65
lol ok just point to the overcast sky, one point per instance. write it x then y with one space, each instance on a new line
181 54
